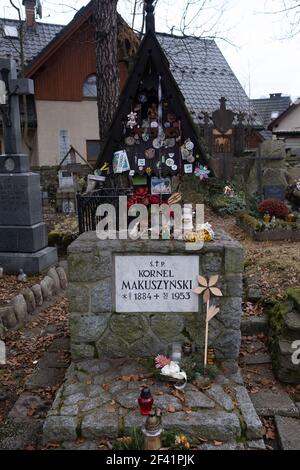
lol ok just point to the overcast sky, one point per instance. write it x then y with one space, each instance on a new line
263 62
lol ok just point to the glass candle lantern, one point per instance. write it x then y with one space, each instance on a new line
145 401
176 352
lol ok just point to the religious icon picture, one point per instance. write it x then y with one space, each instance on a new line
120 162
161 186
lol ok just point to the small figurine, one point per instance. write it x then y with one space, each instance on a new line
152 112
228 191
22 277
132 117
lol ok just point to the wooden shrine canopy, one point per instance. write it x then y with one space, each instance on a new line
153 94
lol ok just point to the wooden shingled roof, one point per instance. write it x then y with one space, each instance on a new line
150 52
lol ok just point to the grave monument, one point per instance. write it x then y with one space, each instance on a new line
131 300
23 234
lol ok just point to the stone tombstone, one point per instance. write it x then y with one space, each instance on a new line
134 298
23 235
273 167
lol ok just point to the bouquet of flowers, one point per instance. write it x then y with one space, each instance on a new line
171 369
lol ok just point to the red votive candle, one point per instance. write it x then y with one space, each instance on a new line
145 401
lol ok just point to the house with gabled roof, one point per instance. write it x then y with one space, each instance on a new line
61 61
268 110
286 127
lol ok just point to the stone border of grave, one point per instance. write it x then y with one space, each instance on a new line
29 301
269 235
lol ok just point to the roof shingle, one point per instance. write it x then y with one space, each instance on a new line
203 75
276 103
198 66
35 40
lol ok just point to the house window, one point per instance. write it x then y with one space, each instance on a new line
274 114
10 31
90 87
92 149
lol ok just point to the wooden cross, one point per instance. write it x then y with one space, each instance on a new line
11 110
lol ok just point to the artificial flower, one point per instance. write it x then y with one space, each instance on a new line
161 361
202 172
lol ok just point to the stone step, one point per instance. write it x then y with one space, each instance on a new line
288 432
274 402
95 408
207 424
43 378
257 358
254 325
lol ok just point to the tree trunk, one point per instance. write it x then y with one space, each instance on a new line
107 70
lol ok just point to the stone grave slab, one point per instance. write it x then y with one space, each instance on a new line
288 432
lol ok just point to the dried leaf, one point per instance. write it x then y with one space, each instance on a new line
270 434
126 378
106 387
218 443
110 408
202 439
171 409
187 409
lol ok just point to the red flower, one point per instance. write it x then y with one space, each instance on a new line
131 201
154 199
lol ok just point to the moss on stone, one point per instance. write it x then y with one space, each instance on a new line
277 315
294 294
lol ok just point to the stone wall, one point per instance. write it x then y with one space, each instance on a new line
19 310
97 330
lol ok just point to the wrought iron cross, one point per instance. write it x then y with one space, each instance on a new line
11 110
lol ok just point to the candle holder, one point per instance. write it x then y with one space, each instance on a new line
153 430
176 355
145 401
187 348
